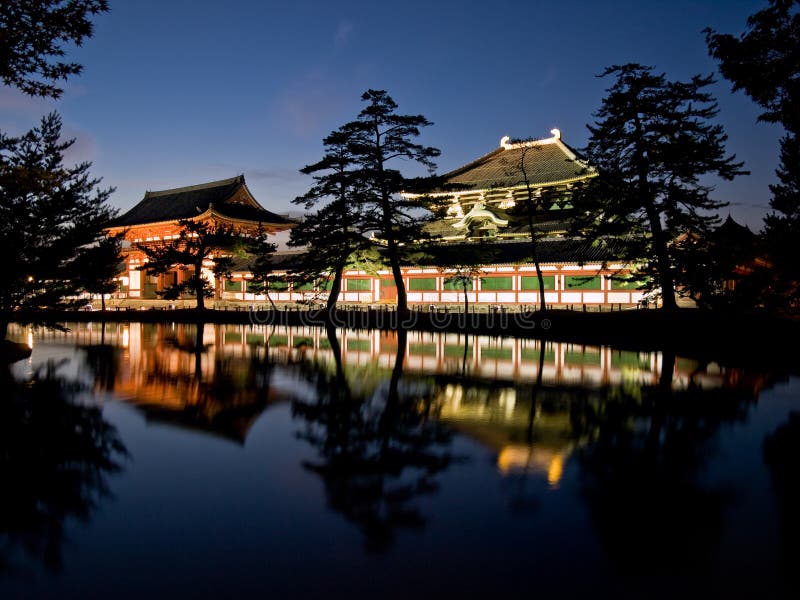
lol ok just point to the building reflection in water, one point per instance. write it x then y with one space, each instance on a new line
218 379
183 375
631 432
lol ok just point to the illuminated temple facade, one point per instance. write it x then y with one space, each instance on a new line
156 217
483 201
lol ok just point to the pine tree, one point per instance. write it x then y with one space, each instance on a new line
262 265
34 33
101 266
380 138
651 144
50 214
197 242
765 63
333 233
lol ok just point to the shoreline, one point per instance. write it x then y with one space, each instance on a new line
726 338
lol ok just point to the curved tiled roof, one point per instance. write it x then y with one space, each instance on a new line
545 162
187 202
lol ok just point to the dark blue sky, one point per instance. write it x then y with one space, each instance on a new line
178 92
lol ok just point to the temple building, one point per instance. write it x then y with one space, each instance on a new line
156 218
484 202
480 205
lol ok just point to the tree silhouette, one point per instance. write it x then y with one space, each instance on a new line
764 62
34 33
101 265
651 144
51 216
55 458
334 232
641 473
262 265
197 242
379 138
374 460
782 456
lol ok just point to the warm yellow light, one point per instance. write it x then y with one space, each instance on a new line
512 458
30 278
555 470
30 339
126 337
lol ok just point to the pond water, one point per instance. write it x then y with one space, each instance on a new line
170 460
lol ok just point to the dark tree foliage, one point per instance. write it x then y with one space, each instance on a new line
783 226
332 233
262 264
652 143
33 34
722 270
782 457
56 455
51 216
641 473
198 242
373 460
380 138
100 266
764 62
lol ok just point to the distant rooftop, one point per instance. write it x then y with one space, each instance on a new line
227 197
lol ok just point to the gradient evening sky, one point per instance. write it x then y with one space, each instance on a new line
179 92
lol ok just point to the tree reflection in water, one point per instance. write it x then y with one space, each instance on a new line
378 449
642 468
104 362
782 455
55 457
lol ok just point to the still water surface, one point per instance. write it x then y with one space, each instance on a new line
162 460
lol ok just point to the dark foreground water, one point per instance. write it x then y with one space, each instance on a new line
162 461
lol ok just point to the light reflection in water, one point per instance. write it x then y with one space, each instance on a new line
623 438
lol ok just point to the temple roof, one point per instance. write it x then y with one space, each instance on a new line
546 162
227 197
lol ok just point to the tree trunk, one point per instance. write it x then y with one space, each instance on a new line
394 261
662 257
535 252
466 298
336 287
659 241
201 301
266 293
199 286
103 302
